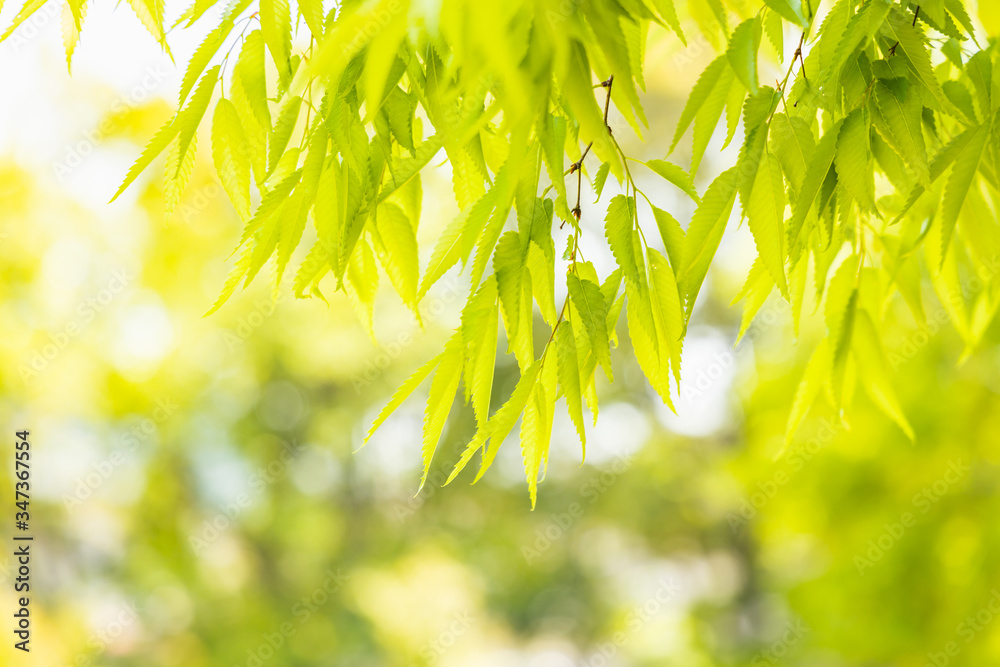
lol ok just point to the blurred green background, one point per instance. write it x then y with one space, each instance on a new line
198 498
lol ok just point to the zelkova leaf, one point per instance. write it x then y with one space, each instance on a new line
704 234
816 373
189 118
790 10
667 314
674 174
911 45
742 52
819 167
900 126
874 376
499 425
536 433
666 10
156 145
963 172
701 91
618 224
939 164
444 386
589 302
508 265
398 251
569 377
401 394
276 28
791 141
480 325
232 161
766 215
854 159
27 9
672 235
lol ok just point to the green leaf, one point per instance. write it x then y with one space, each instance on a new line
444 386
901 128
276 28
401 394
674 174
790 10
742 52
667 314
282 131
854 159
618 225
696 99
569 377
816 374
672 235
251 71
962 174
508 265
399 251
160 141
874 376
498 426
816 174
766 214
791 141
480 324
232 160
600 178
589 302
189 118
703 235
841 301
912 47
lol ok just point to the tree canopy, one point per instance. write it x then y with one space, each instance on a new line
870 166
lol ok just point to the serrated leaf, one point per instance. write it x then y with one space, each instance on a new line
792 142
819 167
816 373
589 302
901 129
871 368
962 173
854 159
600 178
672 235
229 152
742 52
401 394
160 141
696 99
765 215
703 235
276 28
444 386
282 131
674 174
498 426
618 225
569 377
398 252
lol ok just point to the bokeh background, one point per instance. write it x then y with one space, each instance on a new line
199 496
